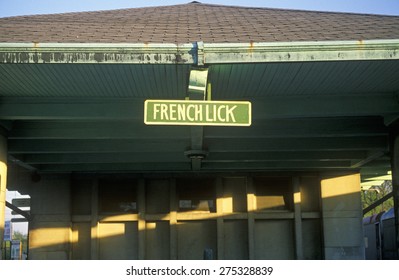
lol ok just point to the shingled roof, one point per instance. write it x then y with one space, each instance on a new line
197 22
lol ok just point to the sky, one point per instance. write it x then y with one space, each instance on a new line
30 7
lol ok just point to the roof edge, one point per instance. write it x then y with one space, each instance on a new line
199 53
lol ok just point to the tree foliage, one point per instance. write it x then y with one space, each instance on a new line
17 235
375 193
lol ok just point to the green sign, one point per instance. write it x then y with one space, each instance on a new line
193 112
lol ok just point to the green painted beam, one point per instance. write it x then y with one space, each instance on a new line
186 167
197 87
118 157
94 130
105 53
278 165
96 146
199 53
140 157
5 126
133 109
301 51
325 105
212 145
70 109
304 127
379 162
248 156
370 157
367 175
299 144
278 128
115 167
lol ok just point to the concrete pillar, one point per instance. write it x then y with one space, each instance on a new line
3 186
395 182
50 230
342 217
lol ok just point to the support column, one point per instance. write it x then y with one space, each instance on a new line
395 183
173 219
342 216
94 220
50 226
298 218
251 208
141 221
3 186
219 220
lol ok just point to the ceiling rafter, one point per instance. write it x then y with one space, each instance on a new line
279 128
273 107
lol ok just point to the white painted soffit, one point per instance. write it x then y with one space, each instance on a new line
199 53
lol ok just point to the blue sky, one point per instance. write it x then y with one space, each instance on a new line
28 7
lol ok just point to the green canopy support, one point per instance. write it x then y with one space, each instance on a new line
197 90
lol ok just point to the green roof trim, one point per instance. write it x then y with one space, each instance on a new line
198 53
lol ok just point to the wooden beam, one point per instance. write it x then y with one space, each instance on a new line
272 107
78 158
94 130
217 145
371 156
95 146
122 167
304 127
21 163
300 144
185 167
278 128
222 157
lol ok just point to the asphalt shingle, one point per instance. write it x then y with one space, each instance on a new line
193 22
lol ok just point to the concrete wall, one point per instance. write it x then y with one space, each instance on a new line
342 216
247 217
50 230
